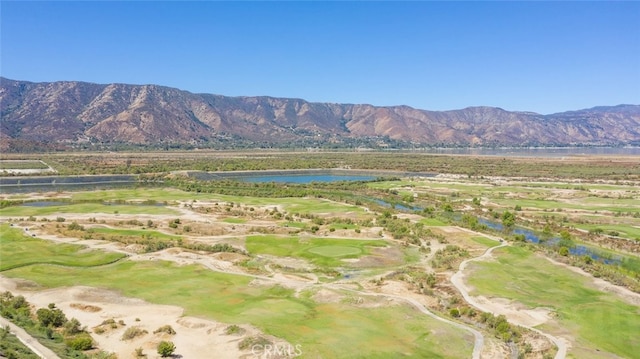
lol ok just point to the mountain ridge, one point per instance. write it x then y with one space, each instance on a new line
74 112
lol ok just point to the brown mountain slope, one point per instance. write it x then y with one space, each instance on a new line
73 112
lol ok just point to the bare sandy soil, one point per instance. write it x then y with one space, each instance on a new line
194 338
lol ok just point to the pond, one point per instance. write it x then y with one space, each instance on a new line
397 206
63 183
45 204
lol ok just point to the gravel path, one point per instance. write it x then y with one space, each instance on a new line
31 342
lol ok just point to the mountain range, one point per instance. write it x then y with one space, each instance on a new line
69 114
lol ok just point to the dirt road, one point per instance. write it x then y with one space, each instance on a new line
458 281
31 342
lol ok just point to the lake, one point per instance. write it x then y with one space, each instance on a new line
64 183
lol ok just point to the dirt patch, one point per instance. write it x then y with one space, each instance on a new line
379 257
327 296
400 289
516 312
194 336
494 348
85 307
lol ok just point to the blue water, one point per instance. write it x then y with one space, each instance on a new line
532 237
304 178
45 204
396 205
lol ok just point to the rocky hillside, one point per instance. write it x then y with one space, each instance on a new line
76 113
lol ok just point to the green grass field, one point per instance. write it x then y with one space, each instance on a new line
293 205
598 320
140 194
336 251
22 165
324 252
488 242
18 249
234 220
84 208
330 330
596 204
623 230
432 222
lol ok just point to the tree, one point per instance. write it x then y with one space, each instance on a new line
72 327
508 219
166 348
564 251
51 317
519 237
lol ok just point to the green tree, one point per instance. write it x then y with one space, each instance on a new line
72 327
166 348
563 251
81 342
51 317
508 219
519 238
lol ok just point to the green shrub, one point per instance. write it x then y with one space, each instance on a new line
234 329
72 327
166 349
80 342
165 329
133 332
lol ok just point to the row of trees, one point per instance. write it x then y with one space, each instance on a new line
50 325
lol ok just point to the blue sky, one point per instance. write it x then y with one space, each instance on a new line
523 56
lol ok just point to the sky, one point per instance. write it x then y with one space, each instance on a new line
544 57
